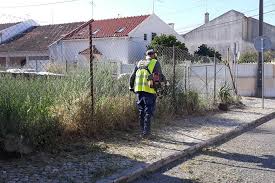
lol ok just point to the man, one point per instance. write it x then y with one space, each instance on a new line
141 83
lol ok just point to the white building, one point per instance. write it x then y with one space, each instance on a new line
25 44
231 30
119 39
10 30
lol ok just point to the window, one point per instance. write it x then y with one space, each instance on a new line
96 31
120 29
153 35
145 37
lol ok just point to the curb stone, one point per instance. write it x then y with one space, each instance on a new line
216 141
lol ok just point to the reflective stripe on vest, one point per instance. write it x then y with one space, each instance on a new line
141 80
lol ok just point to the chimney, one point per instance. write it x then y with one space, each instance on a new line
172 25
206 19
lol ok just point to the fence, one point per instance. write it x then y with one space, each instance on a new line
91 93
205 79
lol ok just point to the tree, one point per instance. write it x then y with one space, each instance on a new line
163 44
167 41
204 50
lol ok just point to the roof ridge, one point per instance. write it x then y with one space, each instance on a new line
136 16
10 23
62 24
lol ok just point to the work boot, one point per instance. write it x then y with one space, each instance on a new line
146 136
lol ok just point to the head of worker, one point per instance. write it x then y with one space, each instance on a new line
151 54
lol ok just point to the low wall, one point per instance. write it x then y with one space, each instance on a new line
247 79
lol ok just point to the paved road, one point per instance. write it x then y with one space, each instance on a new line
248 158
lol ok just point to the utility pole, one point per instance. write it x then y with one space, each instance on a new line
260 64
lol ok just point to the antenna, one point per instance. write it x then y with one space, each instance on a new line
154 4
93 4
52 13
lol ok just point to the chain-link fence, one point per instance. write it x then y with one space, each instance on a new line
71 79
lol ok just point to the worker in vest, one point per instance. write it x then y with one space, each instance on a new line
142 85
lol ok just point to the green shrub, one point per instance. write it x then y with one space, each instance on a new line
252 57
225 94
188 102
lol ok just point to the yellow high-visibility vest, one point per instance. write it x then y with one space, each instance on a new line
145 68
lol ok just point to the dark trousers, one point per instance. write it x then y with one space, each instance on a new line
146 103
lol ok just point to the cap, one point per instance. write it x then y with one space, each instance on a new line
150 52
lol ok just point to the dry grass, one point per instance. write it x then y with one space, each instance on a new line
111 113
43 110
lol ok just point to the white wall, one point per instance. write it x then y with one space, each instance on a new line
137 44
113 48
26 54
220 33
247 78
37 65
153 24
68 50
14 30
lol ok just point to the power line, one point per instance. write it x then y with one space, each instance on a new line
195 25
175 12
224 23
42 4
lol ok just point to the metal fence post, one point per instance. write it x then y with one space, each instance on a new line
119 68
215 78
174 78
189 76
36 66
185 78
206 81
225 75
91 68
66 66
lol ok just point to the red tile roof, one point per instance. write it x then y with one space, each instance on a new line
38 38
109 27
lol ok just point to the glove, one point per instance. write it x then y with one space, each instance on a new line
132 90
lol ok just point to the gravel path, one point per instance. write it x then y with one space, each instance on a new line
89 161
248 158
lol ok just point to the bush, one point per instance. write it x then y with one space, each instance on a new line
225 94
252 57
189 102
206 51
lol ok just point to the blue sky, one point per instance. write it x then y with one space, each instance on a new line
186 14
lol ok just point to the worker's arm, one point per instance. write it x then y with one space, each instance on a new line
132 78
157 69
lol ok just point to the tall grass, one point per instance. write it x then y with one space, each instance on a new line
44 110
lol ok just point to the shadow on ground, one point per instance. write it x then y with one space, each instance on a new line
161 178
265 161
71 163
